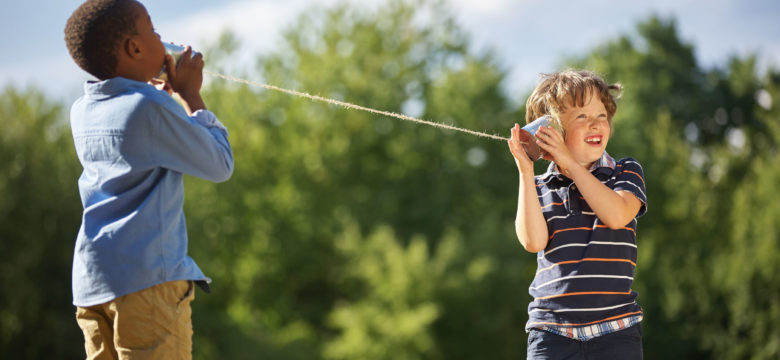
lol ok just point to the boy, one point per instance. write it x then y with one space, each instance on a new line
580 219
132 278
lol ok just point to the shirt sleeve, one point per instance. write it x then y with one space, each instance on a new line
631 178
196 145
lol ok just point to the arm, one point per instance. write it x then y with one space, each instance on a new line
530 226
614 208
195 143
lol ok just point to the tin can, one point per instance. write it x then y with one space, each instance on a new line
528 136
174 50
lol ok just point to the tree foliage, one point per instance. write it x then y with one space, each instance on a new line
39 217
346 235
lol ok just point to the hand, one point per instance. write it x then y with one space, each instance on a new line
185 78
186 75
523 162
553 143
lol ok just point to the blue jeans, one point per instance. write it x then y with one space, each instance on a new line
623 344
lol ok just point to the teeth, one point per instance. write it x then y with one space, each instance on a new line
593 140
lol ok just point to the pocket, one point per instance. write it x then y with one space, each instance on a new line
189 294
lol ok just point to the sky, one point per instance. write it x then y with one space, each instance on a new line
528 36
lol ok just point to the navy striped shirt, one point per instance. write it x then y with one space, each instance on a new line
585 273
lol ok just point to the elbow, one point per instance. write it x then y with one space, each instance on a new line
532 248
529 242
530 245
225 174
616 223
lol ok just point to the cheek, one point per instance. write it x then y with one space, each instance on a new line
572 137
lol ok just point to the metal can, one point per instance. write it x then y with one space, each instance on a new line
174 50
528 136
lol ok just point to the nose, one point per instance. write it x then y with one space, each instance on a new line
595 123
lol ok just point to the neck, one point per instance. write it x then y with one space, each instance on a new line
126 69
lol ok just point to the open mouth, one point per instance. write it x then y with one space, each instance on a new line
593 140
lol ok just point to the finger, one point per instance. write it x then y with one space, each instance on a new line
197 56
543 139
555 134
547 135
545 146
518 154
185 56
517 138
199 60
170 66
513 146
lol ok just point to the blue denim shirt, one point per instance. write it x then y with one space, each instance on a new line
135 143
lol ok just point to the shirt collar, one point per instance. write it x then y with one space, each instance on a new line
111 87
605 161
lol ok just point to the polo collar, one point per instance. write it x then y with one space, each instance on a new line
605 162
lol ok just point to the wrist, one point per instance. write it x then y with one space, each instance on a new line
526 174
192 101
524 169
189 95
565 167
574 172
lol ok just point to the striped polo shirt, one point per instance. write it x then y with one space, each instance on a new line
585 273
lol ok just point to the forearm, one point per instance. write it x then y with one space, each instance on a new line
530 226
192 102
613 209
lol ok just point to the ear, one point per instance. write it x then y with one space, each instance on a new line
131 48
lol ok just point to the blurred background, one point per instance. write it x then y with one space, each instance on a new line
345 235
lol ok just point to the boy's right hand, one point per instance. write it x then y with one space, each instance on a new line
523 162
186 77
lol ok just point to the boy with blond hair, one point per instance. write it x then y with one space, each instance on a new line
580 219
132 279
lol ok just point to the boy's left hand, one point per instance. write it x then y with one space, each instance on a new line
552 142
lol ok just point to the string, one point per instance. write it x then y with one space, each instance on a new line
355 107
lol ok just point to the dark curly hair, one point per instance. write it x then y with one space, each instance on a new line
94 32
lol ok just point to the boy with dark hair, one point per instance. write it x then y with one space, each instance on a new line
580 219
132 278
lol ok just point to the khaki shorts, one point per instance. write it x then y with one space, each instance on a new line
154 323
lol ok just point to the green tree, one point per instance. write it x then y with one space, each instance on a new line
39 219
345 235
303 166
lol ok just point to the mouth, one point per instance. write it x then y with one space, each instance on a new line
594 140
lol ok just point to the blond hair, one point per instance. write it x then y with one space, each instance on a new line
555 92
